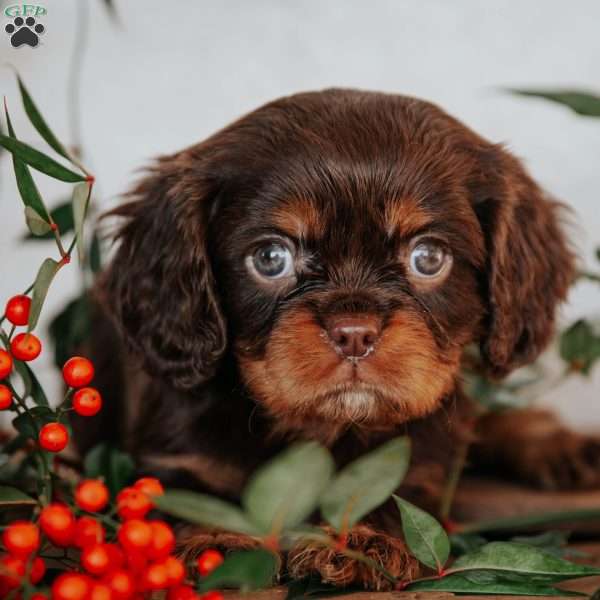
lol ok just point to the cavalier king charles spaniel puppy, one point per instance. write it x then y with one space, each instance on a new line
316 270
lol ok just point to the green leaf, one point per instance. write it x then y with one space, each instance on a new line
462 543
81 194
69 328
31 384
95 254
42 282
62 215
39 161
583 103
35 223
209 511
25 183
366 483
488 584
553 542
286 491
580 346
29 423
38 121
313 587
519 559
108 462
248 570
10 496
424 536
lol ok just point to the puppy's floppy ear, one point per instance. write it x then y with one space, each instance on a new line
530 265
159 285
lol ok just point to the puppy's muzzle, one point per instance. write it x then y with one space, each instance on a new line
353 336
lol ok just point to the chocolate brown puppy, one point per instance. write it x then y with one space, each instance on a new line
315 271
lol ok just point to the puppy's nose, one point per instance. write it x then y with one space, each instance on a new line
354 336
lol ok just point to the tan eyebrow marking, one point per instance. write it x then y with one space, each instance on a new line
405 216
299 218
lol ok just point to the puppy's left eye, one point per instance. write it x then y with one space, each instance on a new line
273 261
428 259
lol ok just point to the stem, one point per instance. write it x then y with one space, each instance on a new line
456 470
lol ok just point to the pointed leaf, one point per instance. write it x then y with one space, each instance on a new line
69 328
487 584
39 161
25 183
425 537
248 570
38 121
35 223
205 510
43 280
10 496
95 254
62 215
583 103
81 194
286 491
366 483
108 462
31 384
29 423
519 559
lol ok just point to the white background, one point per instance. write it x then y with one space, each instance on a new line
170 73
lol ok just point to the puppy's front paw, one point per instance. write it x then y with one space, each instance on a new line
336 568
565 461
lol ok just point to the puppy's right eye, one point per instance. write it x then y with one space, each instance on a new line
273 261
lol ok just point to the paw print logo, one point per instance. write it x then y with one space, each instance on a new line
24 31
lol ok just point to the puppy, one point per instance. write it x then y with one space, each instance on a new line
315 271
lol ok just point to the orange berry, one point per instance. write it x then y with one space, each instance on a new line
136 561
182 592
100 591
87 401
88 532
78 372
17 310
12 572
25 347
71 586
96 559
149 486
155 577
58 523
21 538
91 495
37 570
163 540
175 570
5 397
208 561
6 364
121 584
133 504
53 437
135 535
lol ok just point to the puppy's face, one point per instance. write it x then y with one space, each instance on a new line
343 247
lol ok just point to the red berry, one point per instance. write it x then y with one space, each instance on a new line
53 437
25 346
136 561
155 577
100 591
212 595
175 570
78 372
58 523
6 364
38 596
121 584
71 586
135 535
132 504
91 495
37 570
17 310
149 486
5 397
88 532
12 572
21 538
96 559
182 592
163 540
208 561
87 402
117 557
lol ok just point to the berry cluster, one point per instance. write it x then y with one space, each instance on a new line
109 551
